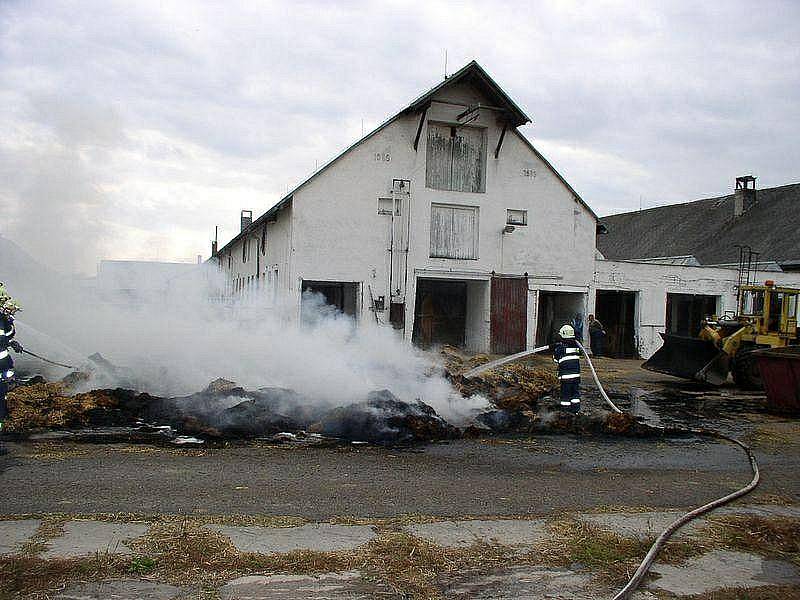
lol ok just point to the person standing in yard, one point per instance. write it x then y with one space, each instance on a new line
567 355
597 336
7 309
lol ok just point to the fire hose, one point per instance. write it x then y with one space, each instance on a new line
47 360
662 539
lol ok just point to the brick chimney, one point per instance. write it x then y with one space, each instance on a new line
744 197
247 219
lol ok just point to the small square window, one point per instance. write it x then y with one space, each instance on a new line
385 206
516 217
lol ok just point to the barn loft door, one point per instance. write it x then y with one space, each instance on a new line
456 158
509 314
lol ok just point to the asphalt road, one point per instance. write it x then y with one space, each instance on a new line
467 477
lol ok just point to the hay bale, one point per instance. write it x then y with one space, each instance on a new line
49 405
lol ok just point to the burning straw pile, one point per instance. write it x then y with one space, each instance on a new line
225 411
513 387
51 406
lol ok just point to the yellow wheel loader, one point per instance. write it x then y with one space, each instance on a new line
766 318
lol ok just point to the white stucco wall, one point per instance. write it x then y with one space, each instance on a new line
277 256
339 235
332 232
654 282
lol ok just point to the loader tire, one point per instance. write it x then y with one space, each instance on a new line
745 371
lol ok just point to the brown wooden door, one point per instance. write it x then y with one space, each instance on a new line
509 314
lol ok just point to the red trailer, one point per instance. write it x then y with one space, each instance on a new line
780 371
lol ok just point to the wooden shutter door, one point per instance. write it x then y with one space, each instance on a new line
509 318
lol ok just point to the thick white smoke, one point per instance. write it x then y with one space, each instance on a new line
177 344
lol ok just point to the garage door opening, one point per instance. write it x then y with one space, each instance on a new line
686 312
617 312
451 312
329 297
557 309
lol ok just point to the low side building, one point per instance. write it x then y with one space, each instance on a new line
666 268
636 301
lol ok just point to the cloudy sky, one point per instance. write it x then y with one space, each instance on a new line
130 129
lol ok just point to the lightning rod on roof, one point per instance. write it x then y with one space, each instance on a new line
445 63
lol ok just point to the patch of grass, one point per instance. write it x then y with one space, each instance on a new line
760 593
613 557
411 565
142 565
773 537
27 573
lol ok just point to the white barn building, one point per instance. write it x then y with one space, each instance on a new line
444 222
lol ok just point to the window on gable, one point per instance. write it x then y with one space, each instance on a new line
454 231
456 158
516 217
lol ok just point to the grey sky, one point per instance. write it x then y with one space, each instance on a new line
128 130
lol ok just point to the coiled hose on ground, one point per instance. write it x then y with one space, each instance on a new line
650 558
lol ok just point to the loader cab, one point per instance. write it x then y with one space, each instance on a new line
751 302
771 309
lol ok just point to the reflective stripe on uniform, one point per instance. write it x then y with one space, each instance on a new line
570 376
571 351
576 400
566 403
566 358
7 375
3 353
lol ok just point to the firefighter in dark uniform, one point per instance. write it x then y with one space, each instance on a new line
7 343
567 355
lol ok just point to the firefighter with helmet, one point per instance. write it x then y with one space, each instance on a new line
567 355
7 343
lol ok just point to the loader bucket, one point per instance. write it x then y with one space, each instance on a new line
690 358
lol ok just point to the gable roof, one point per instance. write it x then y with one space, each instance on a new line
472 72
708 230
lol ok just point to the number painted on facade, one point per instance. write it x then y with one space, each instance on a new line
528 173
383 157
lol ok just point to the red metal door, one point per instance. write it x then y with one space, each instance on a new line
509 314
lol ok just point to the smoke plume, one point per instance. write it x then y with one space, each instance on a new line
178 342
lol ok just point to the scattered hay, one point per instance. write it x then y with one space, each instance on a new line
412 566
613 557
759 593
513 387
54 451
772 537
50 405
22 573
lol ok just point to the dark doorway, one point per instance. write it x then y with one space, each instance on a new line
440 313
686 312
557 309
509 314
339 295
617 312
